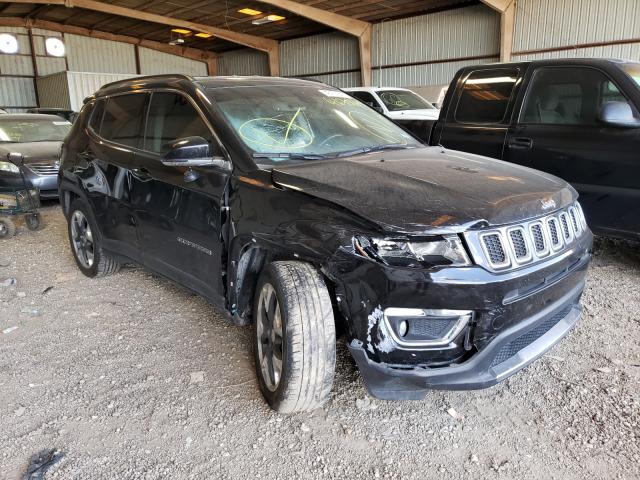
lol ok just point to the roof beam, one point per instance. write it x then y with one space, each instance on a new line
358 28
507 10
259 43
194 54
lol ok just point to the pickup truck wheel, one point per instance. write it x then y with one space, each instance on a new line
295 338
85 242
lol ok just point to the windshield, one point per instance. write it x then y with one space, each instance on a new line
281 124
396 100
633 70
33 130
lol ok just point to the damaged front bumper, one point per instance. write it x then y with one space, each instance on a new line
517 316
508 353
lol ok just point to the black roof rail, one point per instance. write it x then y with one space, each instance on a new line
126 81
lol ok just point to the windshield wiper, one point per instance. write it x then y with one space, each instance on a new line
291 156
375 148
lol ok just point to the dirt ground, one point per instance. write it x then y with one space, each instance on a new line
131 377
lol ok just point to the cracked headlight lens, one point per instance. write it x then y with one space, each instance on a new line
8 167
441 251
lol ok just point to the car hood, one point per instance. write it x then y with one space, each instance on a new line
429 190
33 152
415 114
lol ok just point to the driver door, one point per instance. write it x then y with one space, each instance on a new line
180 221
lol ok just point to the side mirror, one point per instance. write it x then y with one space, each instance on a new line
16 158
618 114
191 152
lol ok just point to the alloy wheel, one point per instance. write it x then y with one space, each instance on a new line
270 337
82 239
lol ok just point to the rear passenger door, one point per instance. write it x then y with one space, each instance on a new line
179 222
558 131
115 131
479 112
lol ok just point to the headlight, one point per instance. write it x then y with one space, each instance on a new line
8 167
446 250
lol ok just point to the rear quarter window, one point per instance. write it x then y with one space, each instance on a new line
485 96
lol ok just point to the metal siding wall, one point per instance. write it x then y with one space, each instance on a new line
85 54
421 75
153 62
47 65
53 91
83 84
17 92
243 62
462 32
340 80
544 24
328 52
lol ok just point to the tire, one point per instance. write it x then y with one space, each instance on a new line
98 263
308 340
33 221
7 228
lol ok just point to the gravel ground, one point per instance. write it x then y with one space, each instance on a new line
131 377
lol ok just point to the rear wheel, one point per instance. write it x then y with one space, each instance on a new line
91 259
294 337
7 227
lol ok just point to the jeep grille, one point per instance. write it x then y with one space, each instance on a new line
513 246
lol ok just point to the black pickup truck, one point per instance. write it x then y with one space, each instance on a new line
577 119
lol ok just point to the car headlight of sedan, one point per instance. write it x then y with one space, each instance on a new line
445 250
8 167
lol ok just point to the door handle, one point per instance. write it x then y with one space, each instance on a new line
141 173
522 143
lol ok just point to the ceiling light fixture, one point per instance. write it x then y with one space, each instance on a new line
181 31
8 43
177 41
203 35
249 11
267 19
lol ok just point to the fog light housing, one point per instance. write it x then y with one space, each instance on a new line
403 328
418 328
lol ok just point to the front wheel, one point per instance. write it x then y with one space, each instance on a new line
294 337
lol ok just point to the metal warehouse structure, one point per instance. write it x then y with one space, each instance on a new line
345 43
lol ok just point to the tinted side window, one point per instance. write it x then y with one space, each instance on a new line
568 96
171 117
485 96
123 119
366 97
96 116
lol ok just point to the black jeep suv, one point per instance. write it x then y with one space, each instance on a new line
297 209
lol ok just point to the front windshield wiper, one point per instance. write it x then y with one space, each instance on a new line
375 148
291 156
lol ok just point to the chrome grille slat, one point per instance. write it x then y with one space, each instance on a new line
43 168
513 246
